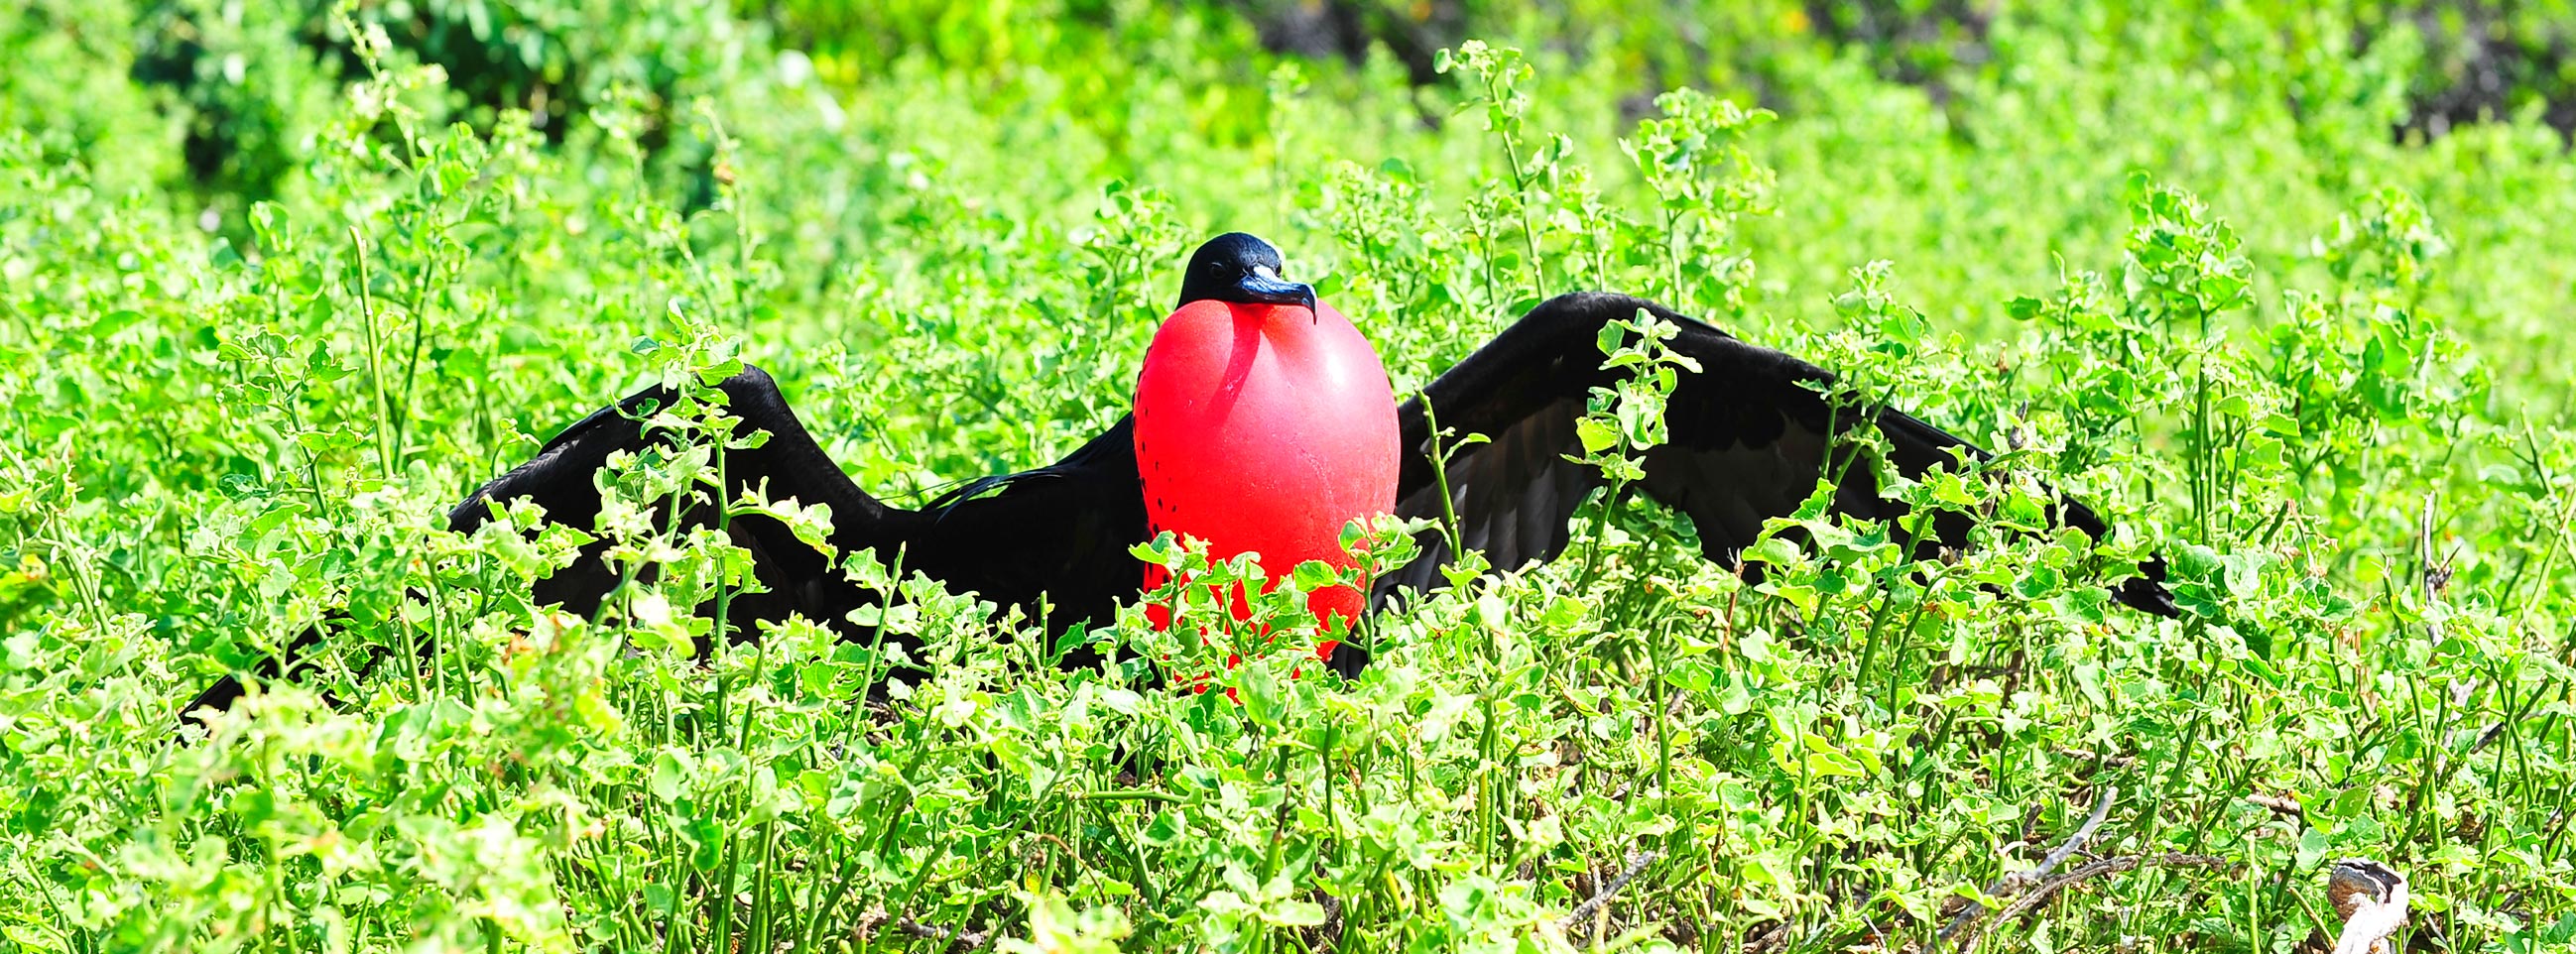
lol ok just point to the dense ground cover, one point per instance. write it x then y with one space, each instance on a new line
278 284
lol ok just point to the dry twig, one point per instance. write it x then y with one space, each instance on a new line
2281 805
1771 940
1637 862
2008 883
957 941
2041 894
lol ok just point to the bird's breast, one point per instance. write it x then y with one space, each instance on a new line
1262 429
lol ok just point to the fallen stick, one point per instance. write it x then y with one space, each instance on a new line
2041 894
1637 862
967 941
960 942
2005 884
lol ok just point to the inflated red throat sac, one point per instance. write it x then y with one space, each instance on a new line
1265 429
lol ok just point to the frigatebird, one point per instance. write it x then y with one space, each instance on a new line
1263 422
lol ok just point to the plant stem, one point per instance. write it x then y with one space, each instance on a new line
375 355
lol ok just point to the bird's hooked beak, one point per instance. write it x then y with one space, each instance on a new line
1263 284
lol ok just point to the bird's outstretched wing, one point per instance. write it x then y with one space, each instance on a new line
1055 537
1749 437
1053 541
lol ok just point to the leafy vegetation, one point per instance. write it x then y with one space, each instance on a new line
279 282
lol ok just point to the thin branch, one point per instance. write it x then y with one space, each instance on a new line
2281 805
967 941
2041 894
958 942
1637 863
2101 810
1770 940
2010 882
2487 738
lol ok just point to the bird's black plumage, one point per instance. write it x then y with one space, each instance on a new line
1241 268
1055 534
1749 439
1750 435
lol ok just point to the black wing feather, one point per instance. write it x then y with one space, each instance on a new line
1056 536
1750 436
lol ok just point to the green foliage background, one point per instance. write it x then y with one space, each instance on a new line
2279 287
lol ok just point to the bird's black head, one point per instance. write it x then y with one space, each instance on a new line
1242 269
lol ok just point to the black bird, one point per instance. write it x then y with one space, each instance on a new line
1265 423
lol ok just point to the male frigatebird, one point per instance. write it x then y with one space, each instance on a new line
1264 423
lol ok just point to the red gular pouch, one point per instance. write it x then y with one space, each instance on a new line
1265 429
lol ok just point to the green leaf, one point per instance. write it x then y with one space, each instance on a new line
1597 436
670 774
